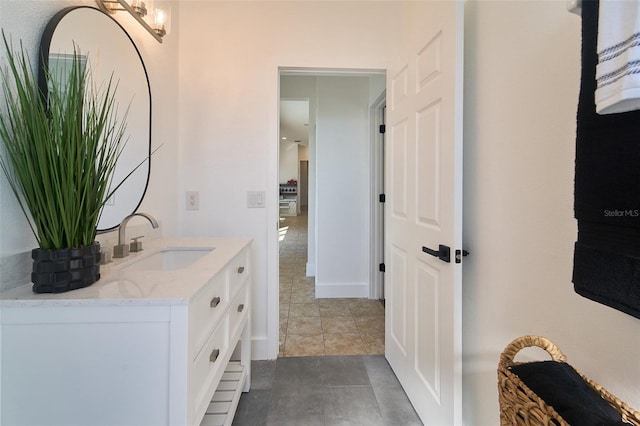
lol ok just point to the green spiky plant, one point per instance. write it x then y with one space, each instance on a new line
60 150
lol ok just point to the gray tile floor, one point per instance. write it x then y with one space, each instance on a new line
325 390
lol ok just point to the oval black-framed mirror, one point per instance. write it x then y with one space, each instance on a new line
109 51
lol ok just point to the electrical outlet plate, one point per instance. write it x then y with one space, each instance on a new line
193 200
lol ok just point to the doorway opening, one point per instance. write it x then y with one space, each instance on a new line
330 253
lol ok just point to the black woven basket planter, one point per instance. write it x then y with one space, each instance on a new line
57 271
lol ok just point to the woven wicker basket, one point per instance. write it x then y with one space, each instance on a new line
521 406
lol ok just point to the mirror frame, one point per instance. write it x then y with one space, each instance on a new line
43 65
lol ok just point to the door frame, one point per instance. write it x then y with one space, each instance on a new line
273 307
376 119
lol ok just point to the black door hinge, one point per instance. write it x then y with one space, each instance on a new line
382 198
460 254
383 128
381 267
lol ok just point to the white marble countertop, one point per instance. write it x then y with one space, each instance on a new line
117 286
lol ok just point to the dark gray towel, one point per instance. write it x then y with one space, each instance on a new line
607 191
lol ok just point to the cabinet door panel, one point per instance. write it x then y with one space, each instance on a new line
59 365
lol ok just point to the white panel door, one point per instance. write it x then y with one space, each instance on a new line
424 209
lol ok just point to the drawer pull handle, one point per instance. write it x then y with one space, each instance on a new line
215 302
241 269
241 307
214 355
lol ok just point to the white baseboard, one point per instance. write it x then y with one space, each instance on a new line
260 348
334 290
311 269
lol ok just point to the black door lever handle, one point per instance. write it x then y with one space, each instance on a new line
443 253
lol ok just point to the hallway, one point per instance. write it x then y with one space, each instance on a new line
310 326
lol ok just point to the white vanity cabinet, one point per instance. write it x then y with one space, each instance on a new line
142 349
221 314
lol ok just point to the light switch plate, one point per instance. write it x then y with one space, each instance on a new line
255 199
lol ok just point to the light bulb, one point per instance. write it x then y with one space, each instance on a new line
160 22
139 7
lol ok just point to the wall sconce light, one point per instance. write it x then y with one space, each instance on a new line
159 18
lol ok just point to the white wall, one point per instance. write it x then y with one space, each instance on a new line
303 153
230 53
288 161
25 20
342 187
521 91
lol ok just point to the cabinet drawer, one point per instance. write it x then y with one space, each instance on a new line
208 367
238 272
206 310
238 313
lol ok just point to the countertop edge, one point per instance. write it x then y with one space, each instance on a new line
144 288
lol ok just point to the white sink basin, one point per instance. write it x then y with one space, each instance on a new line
169 259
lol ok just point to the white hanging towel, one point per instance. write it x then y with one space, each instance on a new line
618 69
